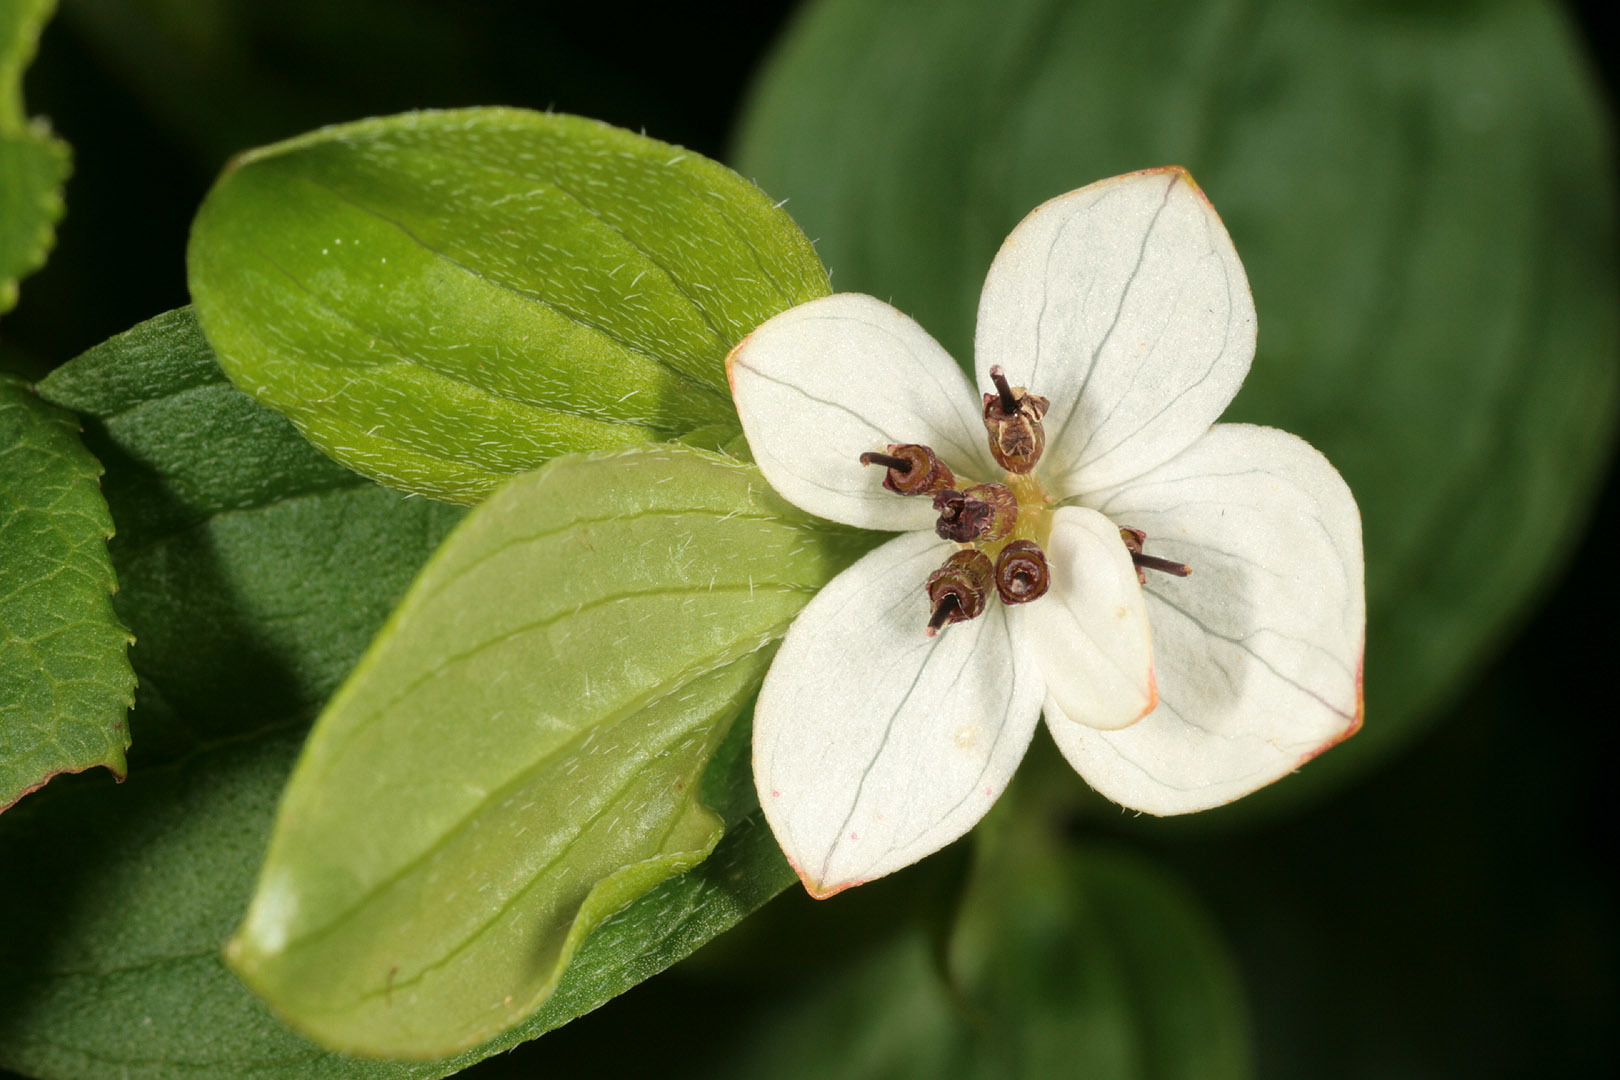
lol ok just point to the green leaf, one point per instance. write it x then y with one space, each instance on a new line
519 754
65 681
167 865
255 573
33 165
440 300
1060 963
217 501
1422 196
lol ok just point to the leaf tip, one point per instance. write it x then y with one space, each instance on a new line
263 933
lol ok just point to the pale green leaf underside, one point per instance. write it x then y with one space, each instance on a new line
1423 200
178 846
255 572
33 164
65 679
518 755
443 299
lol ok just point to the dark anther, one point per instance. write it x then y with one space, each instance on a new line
960 519
912 469
1009 404
898 464
1012 416
984 512
1021 573
1134 539
958 590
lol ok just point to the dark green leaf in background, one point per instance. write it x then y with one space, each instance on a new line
1060 962
33 164
215 499
65 679
253 571
440 300
518 756
1422 196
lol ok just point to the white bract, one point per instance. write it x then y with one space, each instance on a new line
1125 305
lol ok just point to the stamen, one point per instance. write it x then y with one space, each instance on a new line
1009 404
898 464
1152 562
958 590
1012 416
912 469
984 513
942 613
1021 573
961 518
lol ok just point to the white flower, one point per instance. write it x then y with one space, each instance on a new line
1124 305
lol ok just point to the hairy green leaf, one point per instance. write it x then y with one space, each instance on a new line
440 300
1422 196
33 164
65 679
519 754
1059 963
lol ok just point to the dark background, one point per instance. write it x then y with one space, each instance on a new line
1452 914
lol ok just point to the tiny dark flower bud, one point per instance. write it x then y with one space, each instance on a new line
1003 506
913 469
984 512
1021 573
958 590
1012 416
960 519
1134 539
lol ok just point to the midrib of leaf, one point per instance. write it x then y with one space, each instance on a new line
377 712
420 368
739 651
553 183
358 130
573 316
586 522
607 804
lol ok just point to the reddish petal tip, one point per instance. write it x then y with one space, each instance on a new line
815 888
731 359
1355 722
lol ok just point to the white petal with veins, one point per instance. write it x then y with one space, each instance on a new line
1258 653
1125 304
1089 634
874 744
824 382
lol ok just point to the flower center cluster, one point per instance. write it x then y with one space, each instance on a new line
996 524
999 526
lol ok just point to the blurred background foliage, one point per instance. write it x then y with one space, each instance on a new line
1445 910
